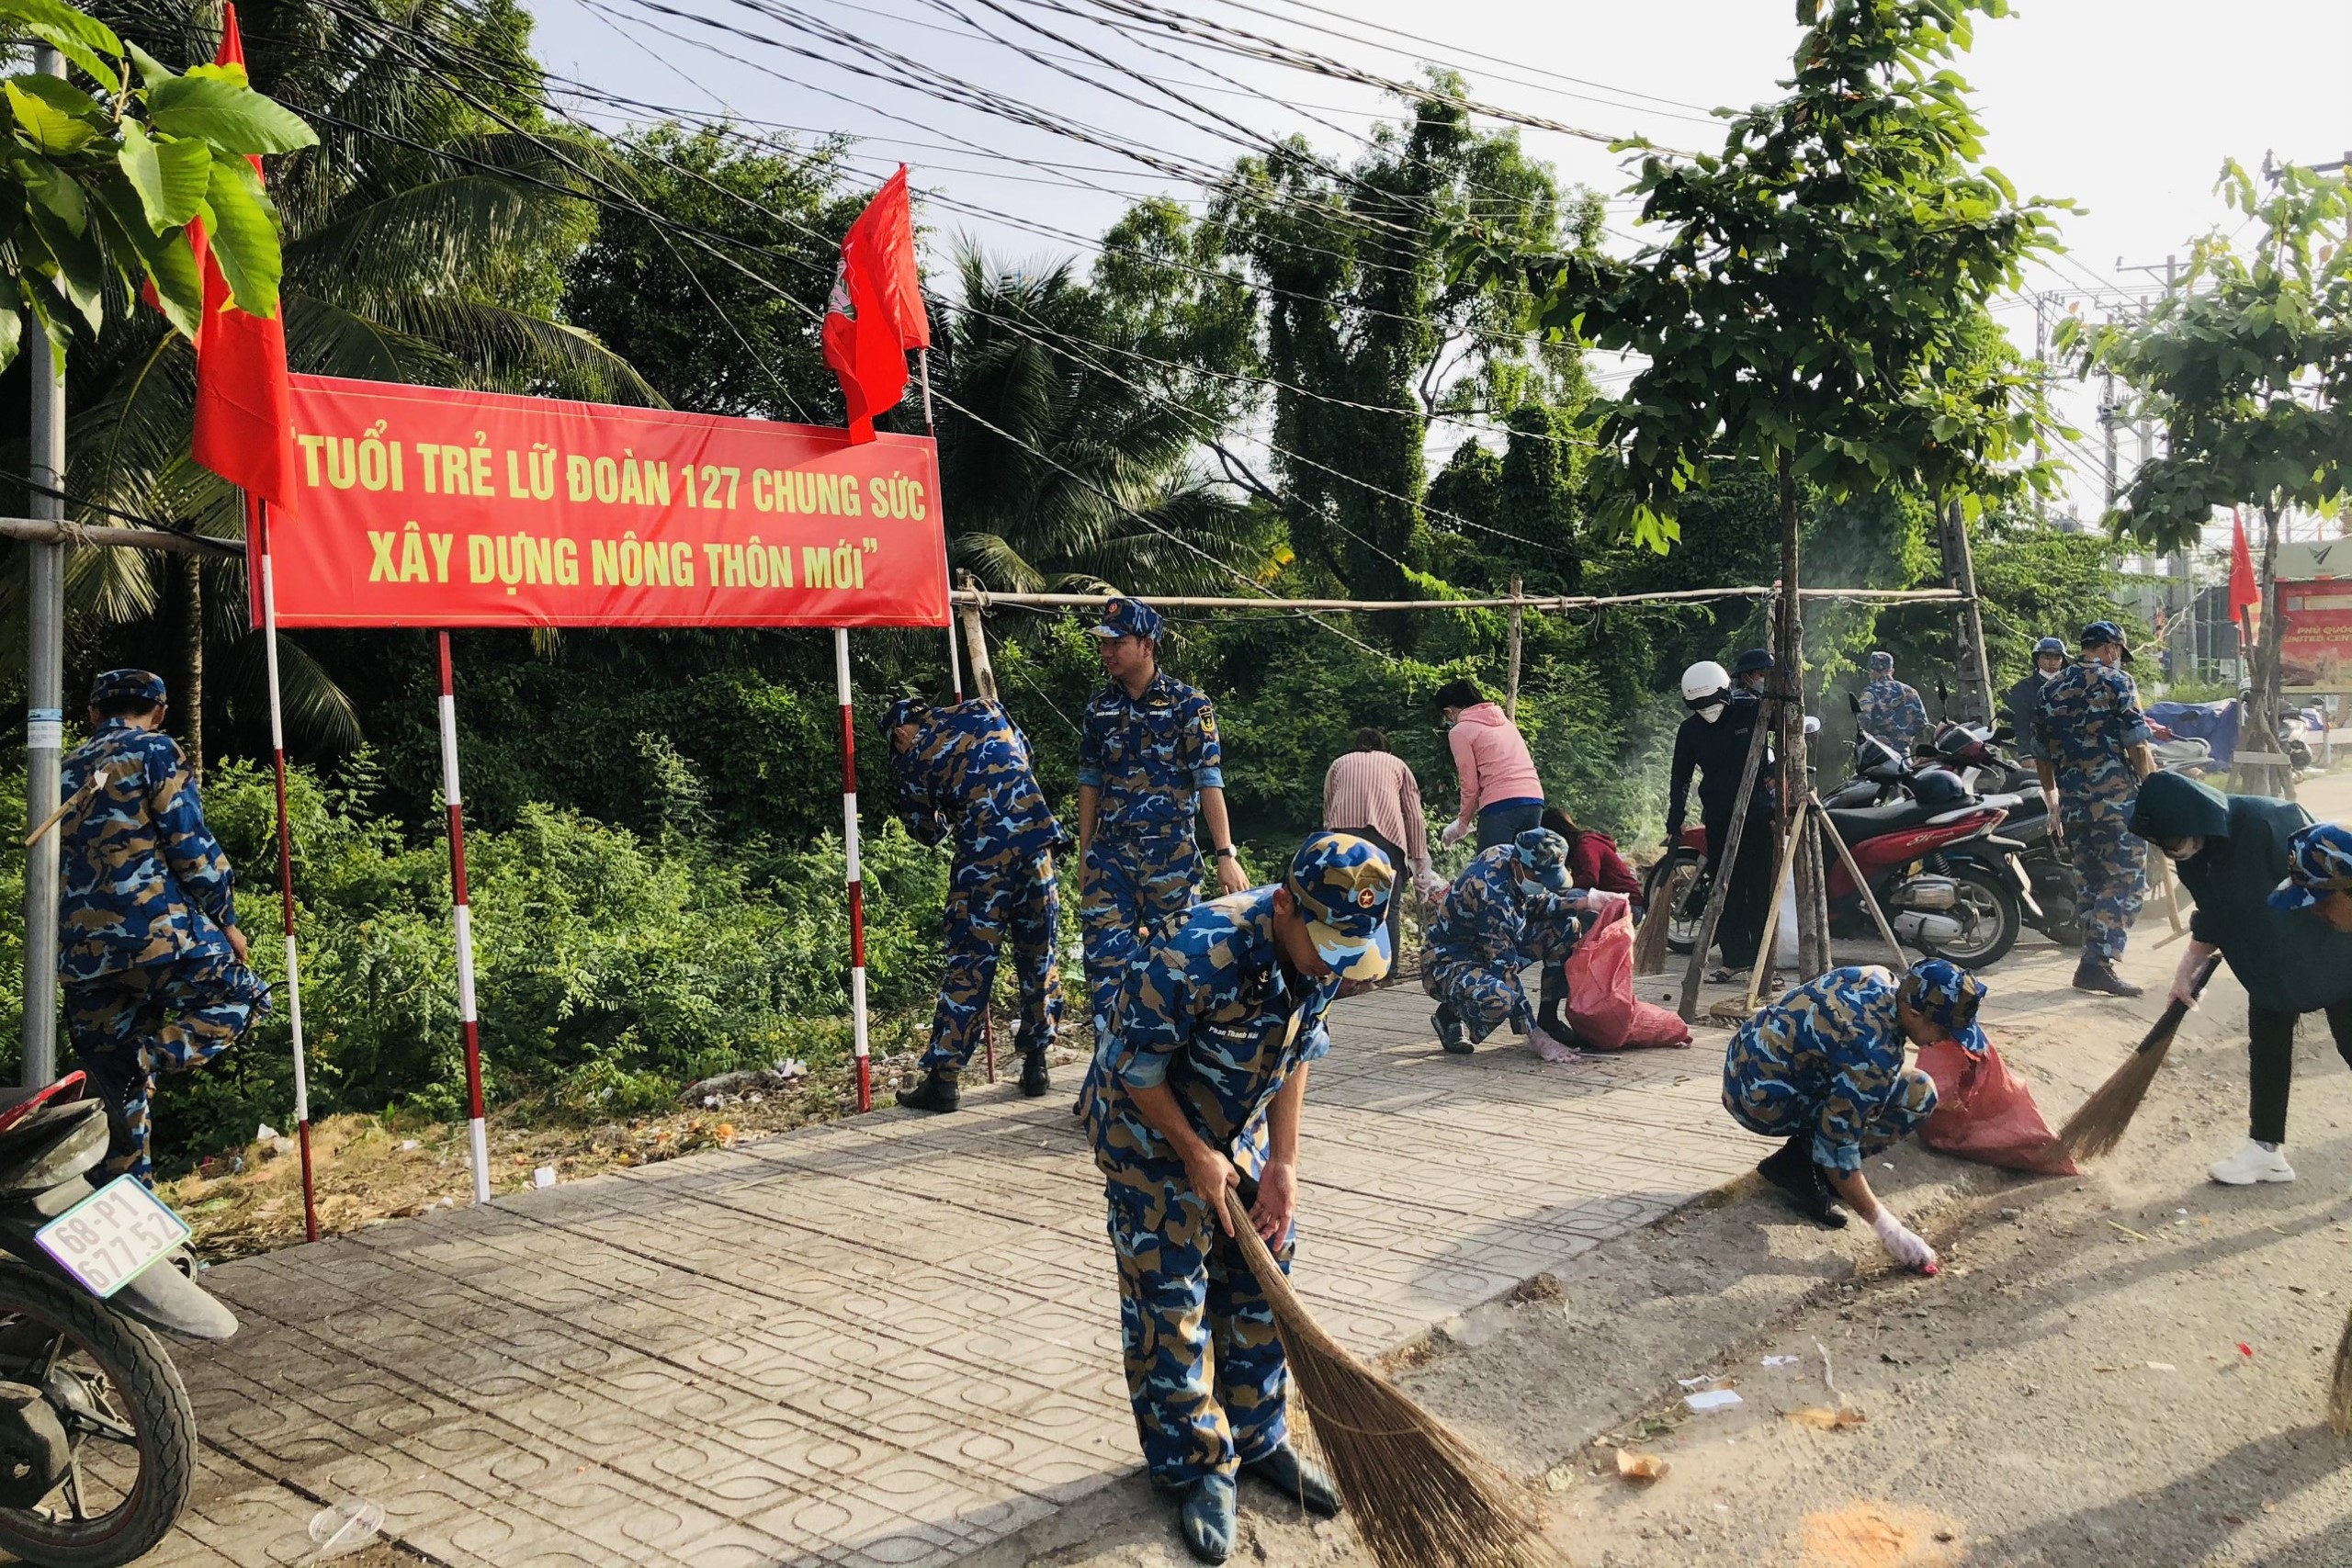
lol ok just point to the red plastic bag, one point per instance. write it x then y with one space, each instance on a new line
1984 1113
1602 1009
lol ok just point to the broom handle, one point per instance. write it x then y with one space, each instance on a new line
2177 1010
96 780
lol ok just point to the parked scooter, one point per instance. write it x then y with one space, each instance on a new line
98 1438
1935 876
2050 893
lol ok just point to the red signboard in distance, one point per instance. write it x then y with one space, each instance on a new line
423 506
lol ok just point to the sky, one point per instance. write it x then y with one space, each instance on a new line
2128 110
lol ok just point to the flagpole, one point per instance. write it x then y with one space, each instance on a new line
954 658
285 871
946 568
462 918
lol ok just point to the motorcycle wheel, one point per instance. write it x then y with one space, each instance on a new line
1988 910
126 1414
1677 877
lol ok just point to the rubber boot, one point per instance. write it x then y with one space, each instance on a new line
938 1091
1210 1518
2098 975
1793 1174
1034 1081
1450 1032
1550 999
1295 1479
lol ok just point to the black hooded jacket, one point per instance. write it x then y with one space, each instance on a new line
2288 961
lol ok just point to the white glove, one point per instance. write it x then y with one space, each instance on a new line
1902 1244
1453 834
1428 883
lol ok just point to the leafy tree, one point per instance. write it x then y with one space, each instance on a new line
423 242
2247 367
1816 304
1072 467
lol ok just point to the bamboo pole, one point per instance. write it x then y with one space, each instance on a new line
1510 692
1786 869
976 640
1846 857
1556 603
1725 862
48 531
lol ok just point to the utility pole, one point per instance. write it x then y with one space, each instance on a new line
1968 624
2107 423
44 682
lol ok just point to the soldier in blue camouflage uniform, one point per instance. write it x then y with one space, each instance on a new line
1822 1068
147 948
1147 760
1199 1087
1512 907
963 770
2091 749
1891 710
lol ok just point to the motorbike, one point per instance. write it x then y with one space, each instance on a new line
2048 890
1934 869
97 1437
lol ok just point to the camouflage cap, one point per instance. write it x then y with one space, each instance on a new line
2318 861
906 710
1343 885
1881 663
1128 617
2099 634
144 683
1543 858
1949 996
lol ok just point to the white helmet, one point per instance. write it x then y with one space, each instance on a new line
1704 684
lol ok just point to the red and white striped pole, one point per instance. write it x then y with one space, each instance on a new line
850 870
462 918
286 872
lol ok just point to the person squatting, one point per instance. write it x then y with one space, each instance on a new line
152 962
1823 1068
1200 1084
964 770
1512 906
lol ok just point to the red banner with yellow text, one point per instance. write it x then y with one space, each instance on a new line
427 507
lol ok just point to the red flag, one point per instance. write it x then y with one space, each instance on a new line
876 314
245 424
2243 593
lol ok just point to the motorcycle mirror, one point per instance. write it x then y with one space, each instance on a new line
1943 693
1854 704
1813 724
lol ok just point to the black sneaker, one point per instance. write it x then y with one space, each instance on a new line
2098 974
1034 1080
1450 1032
938 1091
1793 1174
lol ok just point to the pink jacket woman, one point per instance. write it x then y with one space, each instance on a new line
1502 796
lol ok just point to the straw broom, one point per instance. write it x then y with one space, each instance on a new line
1649 939
1419 1496
2098 1125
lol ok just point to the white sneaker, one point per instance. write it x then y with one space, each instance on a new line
2252 1164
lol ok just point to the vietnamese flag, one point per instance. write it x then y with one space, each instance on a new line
244 420
2245 594
876 314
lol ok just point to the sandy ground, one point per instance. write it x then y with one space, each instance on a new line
2124 1368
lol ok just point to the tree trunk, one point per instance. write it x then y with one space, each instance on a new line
192 691
2269 661
1813 936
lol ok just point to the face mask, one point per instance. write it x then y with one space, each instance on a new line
1712 712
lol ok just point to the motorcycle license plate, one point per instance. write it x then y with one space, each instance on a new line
110 1238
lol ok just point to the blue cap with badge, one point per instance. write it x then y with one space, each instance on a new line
142 684
1128 617
1949 996
2099 634
1343 883
2318 861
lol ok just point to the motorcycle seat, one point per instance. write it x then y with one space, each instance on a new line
1869 821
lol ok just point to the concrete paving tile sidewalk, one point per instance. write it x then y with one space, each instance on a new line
887 1340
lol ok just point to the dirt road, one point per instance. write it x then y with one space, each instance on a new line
2125 1368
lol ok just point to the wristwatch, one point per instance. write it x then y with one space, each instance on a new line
1228 852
